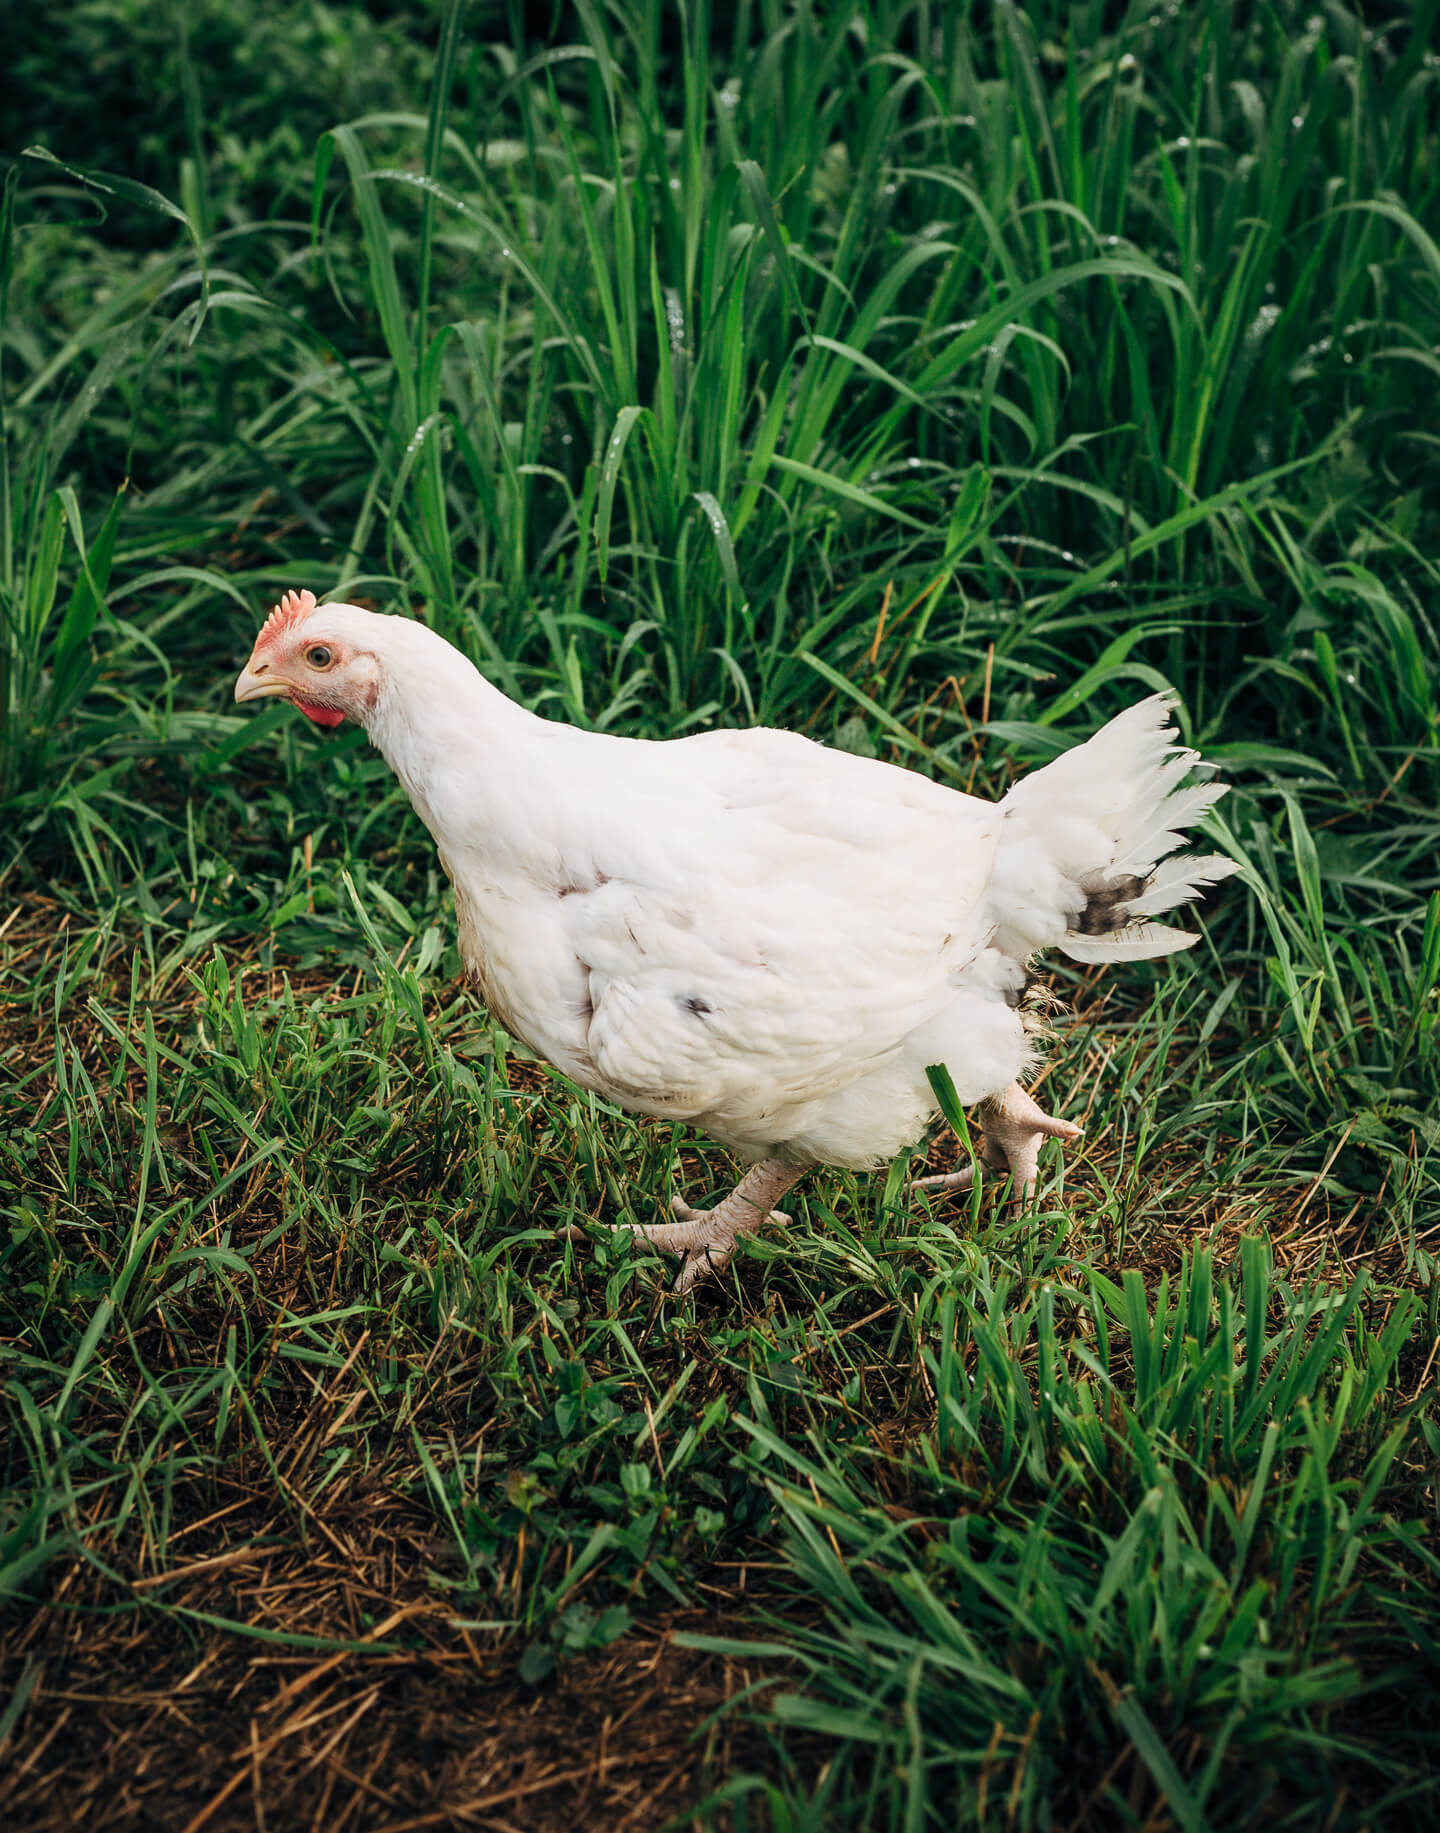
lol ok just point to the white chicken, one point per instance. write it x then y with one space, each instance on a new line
746 930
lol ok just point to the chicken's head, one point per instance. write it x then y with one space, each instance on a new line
306 654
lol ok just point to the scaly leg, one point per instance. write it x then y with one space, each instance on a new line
706 1237
1014 1127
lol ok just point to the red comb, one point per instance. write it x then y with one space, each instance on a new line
293 609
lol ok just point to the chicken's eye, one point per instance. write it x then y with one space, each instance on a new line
318 656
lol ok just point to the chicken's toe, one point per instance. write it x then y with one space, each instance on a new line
683 1212
706 1237
701 1262
943 1181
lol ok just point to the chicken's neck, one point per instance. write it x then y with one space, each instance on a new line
457 744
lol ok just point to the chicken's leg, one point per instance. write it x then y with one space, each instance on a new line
1014 1127
706 1237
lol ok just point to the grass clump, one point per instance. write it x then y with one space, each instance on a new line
932 380
1123 1559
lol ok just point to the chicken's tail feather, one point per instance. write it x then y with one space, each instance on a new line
1083 861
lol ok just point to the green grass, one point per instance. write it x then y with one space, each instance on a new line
931 379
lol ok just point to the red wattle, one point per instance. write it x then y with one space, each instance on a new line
319 715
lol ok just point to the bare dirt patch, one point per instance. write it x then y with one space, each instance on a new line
137 1723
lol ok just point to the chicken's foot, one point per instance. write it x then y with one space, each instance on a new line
1015 1128
705 1238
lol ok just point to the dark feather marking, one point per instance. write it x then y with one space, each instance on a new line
1103 899
601 878
1018 997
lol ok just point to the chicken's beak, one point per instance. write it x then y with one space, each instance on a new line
256 687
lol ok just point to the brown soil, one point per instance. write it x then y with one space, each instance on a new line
129 1724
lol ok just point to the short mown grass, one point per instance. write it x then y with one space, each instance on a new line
930 379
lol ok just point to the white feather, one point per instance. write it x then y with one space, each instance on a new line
1136 942
1178 881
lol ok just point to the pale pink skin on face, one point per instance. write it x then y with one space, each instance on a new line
321 676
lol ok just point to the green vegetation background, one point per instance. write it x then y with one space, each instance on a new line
934 379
